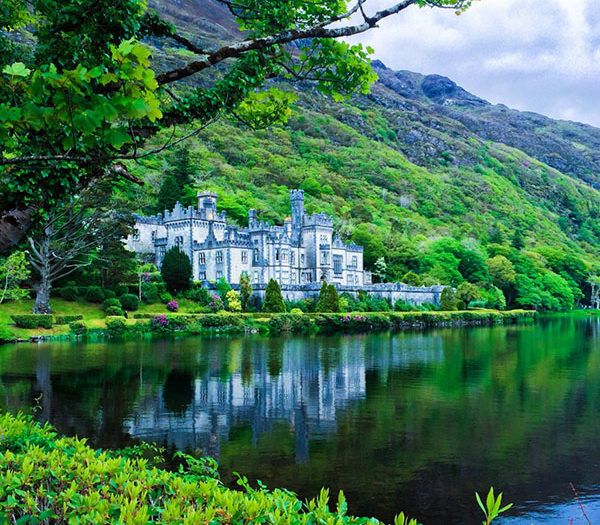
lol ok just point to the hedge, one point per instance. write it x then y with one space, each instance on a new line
46 478
33 320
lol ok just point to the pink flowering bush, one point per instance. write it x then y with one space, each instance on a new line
216 303
172 306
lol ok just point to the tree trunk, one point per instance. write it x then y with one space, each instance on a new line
42 289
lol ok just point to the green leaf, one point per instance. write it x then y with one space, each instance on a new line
18 69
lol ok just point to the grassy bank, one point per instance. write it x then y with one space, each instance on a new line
46 479
151 319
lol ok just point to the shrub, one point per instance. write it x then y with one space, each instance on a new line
78 328
116 326
121 289
402 306
176 270
160 324
172 306
448 300
222 288
329 300
149 293
113 310
234 304
111 302
94 294
67 319
130 302
467 292
198 294
74 483
69 293
273 298
166 297
109 294
296 311
33 321
216 303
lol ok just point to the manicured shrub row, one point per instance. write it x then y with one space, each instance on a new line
45 478
33 320
78 328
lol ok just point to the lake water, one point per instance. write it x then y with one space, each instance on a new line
416 421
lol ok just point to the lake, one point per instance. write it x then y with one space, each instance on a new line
415 421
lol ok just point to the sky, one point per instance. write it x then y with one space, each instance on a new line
533 55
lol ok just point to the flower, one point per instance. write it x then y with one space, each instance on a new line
172 306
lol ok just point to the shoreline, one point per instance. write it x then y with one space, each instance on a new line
192 325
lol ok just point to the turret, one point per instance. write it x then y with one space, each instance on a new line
207 204
252 217
297 201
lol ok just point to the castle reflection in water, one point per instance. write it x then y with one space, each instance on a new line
305 388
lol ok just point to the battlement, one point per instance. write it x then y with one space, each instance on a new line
179 213
318 219
297 195
157 219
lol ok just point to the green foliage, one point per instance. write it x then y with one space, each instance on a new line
245 290
223 288
114 302
129 302
328 300
412 279
73 482
467 292
78 328
13 270
176 270
168 194
69 293
273 302
196 293
113 311
33 320
94 294
502 271
492 508
149 293
448 300
115 326
233 302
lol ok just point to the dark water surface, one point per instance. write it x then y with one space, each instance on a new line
413 421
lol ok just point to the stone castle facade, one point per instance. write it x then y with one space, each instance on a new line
299 255
304 250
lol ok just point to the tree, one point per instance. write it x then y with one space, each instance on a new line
448 300
181 168
168 194
87 96
502 271
233 301
329 300
380 269
71 237
176 270
245 290
472 267
273 298
412 279
13 270
467 292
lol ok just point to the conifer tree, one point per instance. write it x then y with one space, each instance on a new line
273 298
322 300
245 290
168 194
448 300
333 299
181 168
176 270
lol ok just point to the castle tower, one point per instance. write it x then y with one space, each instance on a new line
297 200
207 204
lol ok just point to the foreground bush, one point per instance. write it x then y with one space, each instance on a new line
49 479
33 320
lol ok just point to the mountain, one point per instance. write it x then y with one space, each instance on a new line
418 159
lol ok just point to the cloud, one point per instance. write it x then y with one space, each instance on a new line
535 55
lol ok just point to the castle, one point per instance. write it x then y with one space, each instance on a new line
299 255
304 250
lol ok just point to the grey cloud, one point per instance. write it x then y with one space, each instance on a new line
534 55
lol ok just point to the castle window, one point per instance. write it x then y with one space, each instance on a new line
302 259
219 257
337 264
202 276
179 242
350 279
256 254
293 258
255 277
293 278
136 235
324 239
277 254
284 256
244 256
354 261
201 258
219 274
324 257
